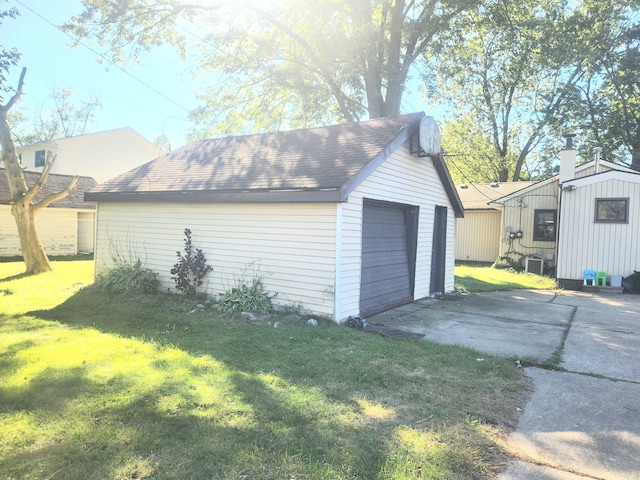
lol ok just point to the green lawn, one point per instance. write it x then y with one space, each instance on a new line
94 386
473 278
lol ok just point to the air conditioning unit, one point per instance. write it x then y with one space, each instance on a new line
534 265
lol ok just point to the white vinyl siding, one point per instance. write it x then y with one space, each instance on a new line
613 248
478 236
57 228
292 246
402 178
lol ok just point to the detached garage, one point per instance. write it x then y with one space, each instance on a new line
344 220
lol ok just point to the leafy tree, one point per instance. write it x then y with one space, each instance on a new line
607 113
62 119
505 78
283 64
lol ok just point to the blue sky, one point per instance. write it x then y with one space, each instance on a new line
126 101
52 63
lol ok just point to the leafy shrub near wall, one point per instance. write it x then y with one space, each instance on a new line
191 267
129 276
245 296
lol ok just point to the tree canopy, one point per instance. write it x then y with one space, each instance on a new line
282 63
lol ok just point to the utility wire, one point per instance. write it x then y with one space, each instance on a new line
142 82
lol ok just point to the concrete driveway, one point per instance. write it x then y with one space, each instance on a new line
580 422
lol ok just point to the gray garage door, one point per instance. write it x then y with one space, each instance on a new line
389 234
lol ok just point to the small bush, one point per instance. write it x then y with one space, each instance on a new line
191 267
245 297
129 277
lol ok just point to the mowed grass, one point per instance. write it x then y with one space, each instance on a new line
474 278
94 386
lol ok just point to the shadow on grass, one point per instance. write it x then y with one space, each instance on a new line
179 394
166 414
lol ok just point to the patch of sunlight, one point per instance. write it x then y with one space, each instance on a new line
376 412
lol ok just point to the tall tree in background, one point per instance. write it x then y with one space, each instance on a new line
23 204
507 80
607 114
63 118
284 63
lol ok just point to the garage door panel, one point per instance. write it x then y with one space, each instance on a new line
385 259
385 273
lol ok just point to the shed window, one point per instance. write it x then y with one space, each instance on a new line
41 156
612 210
544 225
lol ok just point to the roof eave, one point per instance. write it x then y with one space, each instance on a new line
258 196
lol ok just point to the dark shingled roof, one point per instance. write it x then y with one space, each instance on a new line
55 183
315 164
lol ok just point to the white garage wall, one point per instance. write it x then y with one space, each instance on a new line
292 245
402 178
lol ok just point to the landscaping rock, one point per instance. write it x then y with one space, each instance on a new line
312 322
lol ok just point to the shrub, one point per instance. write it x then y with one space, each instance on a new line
191 267
128 276
245 297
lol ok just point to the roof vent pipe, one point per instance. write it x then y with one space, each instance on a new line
597 151
567 159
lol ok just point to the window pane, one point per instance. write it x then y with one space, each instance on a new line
544 228
40 158
612 210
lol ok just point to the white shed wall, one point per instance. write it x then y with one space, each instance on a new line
584 244
402 178
292 245
478 236
57 227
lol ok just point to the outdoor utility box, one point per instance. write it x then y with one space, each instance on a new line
615 280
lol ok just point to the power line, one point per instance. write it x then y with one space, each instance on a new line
142 82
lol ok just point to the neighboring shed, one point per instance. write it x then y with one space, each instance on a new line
530 216
478 234
343 220
66 227
599 226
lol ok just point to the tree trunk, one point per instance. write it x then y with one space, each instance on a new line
35 258
23 204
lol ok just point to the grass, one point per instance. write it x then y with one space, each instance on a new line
94 386
473 278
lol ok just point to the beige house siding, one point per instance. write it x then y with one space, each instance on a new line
57 227
402 178
518 215
584 244
291 245
478 236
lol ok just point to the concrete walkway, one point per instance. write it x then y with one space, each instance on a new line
581 422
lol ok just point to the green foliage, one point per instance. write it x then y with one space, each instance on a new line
245 297
285 63
127 276
191 267
474 278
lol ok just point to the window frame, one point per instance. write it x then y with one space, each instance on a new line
44 159
596 217
542 238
